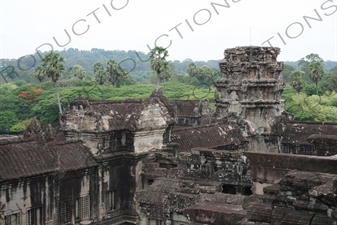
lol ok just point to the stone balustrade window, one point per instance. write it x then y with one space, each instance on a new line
155 222
13 219
35 216
82 208
111 201
64 215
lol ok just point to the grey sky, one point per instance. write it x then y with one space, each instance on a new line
25 25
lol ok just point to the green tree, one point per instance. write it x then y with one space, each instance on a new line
20 126
10 101
115 72
316 73
298 83
78 71
39 74
53 65
329 84
7 120
165 75
313 66
204 74
310 90
305 62
168 73
192 69
100 75
159 64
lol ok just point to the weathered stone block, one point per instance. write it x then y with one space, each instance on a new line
288 216
215 213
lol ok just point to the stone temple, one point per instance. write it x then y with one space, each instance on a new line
156 161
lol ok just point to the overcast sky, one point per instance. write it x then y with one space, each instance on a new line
205 29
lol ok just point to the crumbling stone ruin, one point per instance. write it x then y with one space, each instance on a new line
193 112
250 91
134 125
155 161
200 176
310 138
295 189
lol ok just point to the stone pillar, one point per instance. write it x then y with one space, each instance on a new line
250 92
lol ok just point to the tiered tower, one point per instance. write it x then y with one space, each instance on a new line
250 91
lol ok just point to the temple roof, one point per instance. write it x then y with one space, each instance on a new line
186 107
299 132
120 114
223 137
29 158
37 152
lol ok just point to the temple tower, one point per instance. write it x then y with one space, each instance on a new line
249 93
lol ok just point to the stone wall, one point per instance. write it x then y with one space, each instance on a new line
308 138
325 145
270 168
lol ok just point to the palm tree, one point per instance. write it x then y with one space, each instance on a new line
115 72
316 73
39 73
192 69
52 64
313 66
100 75
298 84
159 64
78 71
